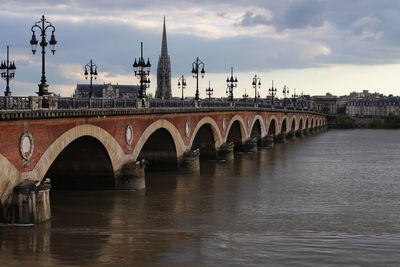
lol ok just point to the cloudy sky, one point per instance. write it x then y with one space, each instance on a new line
315 46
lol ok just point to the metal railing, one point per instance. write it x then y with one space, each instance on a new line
15 103
71 103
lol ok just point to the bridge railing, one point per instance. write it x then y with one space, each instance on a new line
71 103
15 103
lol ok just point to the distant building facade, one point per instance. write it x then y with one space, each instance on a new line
107 91
378 107
164 70
326 104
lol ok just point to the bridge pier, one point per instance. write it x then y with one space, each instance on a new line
29 203
291 135
250 145
225 151
281 138
190 161
299 133
132 176
268 140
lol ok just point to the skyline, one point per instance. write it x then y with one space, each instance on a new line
314 46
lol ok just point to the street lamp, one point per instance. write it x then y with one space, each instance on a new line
7 69
272 92
285 92
294 97
93 73
43 25
182 84
256 84
195 71
245 95
231 84
209 91
142 72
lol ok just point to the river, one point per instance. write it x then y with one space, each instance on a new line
329 199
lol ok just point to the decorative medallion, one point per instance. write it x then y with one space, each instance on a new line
26 146
187 128
129 136
224 124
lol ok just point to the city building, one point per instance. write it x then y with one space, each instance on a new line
326 104
378 107
164 70
107 91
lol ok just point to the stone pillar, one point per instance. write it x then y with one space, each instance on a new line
30 203
190 161
281 138
291 135
250 145
132 176
225 151
268 140
299 133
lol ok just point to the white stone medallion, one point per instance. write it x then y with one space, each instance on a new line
187 128
223 124
26 146
129 136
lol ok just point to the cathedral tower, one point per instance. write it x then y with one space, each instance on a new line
164 70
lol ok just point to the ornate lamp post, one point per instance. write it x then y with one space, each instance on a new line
231 84
195 71
93 73
209 91
272 92
7 69
294 97
285 92
182 84
256 84
142 72
245 95
42 26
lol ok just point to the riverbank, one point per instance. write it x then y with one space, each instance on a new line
347 122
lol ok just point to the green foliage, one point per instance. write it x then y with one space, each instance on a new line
376 123
392 121
345 121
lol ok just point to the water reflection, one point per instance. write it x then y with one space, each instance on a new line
307 202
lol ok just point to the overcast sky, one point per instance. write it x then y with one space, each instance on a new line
315 46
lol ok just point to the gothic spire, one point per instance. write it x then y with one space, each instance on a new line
164 47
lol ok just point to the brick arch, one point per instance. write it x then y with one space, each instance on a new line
301 119
296 123
269 121
173 131
307 123
114 150
214 127
263 128
243 129
287 124
9 178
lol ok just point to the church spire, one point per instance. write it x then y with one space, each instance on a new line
164 47
164 69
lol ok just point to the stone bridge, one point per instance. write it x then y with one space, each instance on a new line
110 147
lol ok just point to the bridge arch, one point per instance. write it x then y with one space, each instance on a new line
257 129
8 179
207 137
284 125
273 126
301 123
293 123
111 146
160 124
236 132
